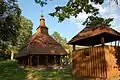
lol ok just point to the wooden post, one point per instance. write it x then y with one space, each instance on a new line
47 60
23 62
55 60
38 60
93 59
118 43
104 64
102 41
30 60
74 47
115 43
111 43
90 61
61 60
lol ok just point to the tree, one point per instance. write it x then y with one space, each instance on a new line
60 39
9 22
96 21
24 34
57 37
74 7
14 28
63 41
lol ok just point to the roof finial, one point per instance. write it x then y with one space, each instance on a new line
42 20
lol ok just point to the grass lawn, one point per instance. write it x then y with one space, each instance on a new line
10 70
50 75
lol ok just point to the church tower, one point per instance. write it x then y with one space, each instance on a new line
42 29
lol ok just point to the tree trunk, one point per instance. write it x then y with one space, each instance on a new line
12 55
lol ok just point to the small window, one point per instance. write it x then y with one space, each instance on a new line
86 54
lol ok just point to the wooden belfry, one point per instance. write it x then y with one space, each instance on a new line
97 60
41 49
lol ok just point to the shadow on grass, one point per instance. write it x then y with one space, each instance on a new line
53 75
9 70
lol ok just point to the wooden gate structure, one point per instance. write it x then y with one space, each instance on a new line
97 60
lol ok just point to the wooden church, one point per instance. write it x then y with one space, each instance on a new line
97 60
41 49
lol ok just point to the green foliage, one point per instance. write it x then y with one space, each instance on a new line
14 28
74 7
60 39
25 32
3 56
57 37
41 2
9 20
96 21
9 70
63 41
9 23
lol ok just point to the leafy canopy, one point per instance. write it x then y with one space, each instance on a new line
74 7
96 21
60 39
14 28
9 20
25 32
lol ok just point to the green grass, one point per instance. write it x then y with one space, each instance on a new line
52 75
9 70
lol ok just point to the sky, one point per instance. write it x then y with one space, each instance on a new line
69 27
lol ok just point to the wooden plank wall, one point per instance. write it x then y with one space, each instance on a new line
90 62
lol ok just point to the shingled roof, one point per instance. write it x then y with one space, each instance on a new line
42 43
92 36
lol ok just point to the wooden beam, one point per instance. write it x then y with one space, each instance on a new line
74 47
